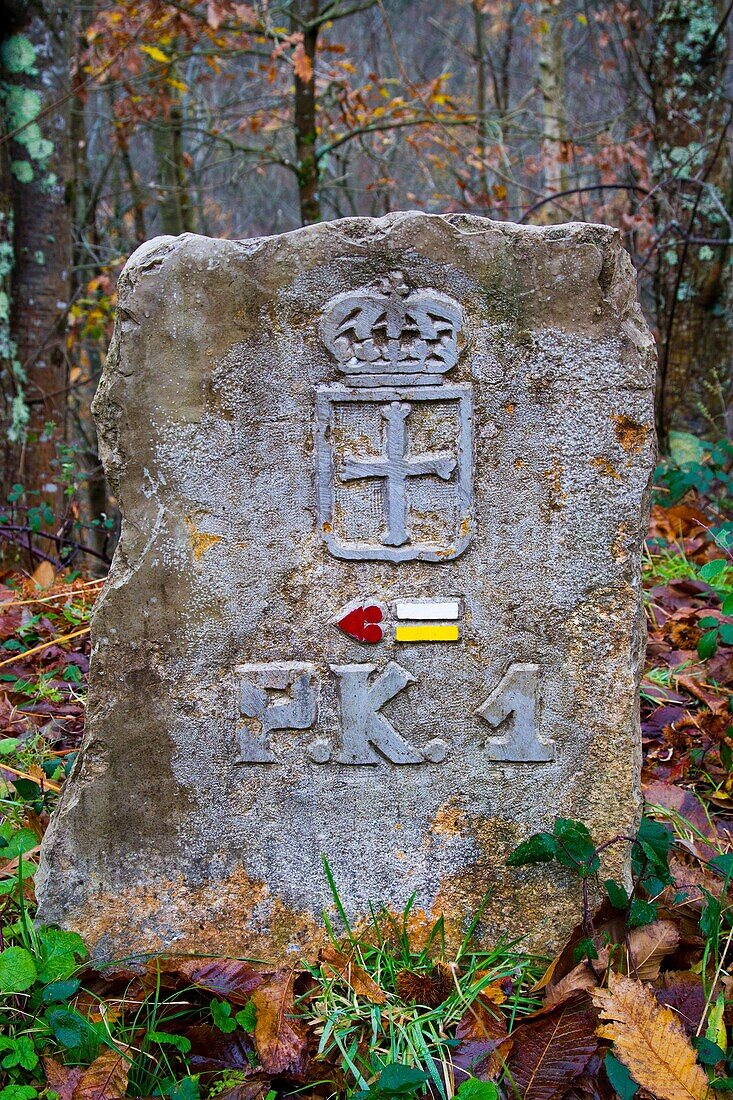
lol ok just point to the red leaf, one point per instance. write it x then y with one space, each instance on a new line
211 1049
682 992
230 979
552 1049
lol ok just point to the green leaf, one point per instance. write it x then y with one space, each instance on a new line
19 1092
727 607
58 992
641 913
186 1089
726 633
9 745
685 447
707 645
712 569
58 951
221 1013
20 842
22 170
18 54
723 864
584 949
164 1038
247 1017
708 1053
17 970
575 847
400 1079
652 847
70 1028
707 621
27 789
540 848
21 1052
617 896
710 916
619 1077
473 1089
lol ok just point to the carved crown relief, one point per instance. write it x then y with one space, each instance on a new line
388 330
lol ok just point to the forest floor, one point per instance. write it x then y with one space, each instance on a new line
639 1002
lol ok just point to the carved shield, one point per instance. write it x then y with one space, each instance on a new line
394 472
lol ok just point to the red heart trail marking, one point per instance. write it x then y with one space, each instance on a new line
362 623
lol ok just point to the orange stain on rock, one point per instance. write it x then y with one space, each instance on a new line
631 435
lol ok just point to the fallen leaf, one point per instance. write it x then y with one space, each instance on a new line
230 979
580 979
682 991
649 945
717 703
609 926
592 1083
105 1078
212 1049
62 1079
355 976
650 1041
44 574
691 809
553 1048
279 1039
484 1043
256 1088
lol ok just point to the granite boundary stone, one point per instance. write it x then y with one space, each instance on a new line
377 596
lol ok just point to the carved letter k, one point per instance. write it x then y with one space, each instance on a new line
361 723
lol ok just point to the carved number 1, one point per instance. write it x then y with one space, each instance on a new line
512 710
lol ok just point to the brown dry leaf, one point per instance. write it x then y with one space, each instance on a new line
679 521
302 64
62 1079
44 574
280 1040
580 979
650 1041
717 703
649 945
552 1049
105 1078
354 976
425 989
254 1089
483 1042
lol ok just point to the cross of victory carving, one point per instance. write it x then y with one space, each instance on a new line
396 465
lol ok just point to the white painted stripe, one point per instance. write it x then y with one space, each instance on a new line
427 609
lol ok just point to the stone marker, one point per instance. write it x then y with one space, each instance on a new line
377 597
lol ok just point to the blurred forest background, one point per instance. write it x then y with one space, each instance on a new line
125 119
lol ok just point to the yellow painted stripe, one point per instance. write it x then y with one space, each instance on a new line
428 633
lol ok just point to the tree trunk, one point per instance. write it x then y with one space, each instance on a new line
552 84
482 122
175 206
36 77
304 120
693 280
